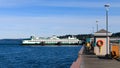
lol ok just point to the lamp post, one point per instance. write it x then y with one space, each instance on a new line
97 25
107 44
93 29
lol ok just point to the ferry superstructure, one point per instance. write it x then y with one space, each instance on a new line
54 40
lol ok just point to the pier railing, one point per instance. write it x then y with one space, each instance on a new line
77 63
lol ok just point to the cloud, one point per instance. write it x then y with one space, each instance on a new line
81 20
56 23
13 26
48 19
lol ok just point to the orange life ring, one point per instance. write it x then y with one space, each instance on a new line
99 43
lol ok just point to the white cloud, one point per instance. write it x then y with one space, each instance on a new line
83 20
49 19
47 26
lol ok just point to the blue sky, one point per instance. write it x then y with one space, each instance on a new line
23 18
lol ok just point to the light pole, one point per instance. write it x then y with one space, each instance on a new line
97 25
107 44
93 29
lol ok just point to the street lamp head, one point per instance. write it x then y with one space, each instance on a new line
97 21
107 5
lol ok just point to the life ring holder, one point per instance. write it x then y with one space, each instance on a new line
99 43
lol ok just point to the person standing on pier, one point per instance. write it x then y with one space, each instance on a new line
87 47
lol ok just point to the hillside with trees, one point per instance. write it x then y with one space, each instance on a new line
116 34
84 36
79 36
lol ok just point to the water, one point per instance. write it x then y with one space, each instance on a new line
17 56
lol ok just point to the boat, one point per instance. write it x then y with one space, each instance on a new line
54 40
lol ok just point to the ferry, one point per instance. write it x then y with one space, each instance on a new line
54 40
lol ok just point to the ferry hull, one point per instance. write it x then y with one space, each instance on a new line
53 44
51 41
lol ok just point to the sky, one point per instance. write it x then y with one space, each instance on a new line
44 18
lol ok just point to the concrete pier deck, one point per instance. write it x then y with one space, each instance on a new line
89 60
92 61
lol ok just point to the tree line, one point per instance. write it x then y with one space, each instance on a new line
84 36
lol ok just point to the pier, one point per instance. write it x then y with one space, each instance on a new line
93 61
98 55
88 60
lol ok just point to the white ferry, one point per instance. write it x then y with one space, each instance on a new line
54 40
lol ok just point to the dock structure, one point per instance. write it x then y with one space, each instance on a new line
102 42
89 60
92 61
100 56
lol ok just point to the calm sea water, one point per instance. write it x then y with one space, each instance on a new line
17 56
